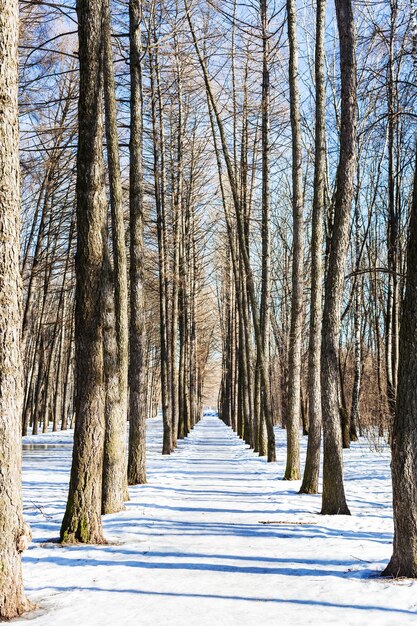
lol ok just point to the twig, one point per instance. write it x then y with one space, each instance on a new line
46 516
286 523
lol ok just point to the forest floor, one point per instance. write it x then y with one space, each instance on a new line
215 537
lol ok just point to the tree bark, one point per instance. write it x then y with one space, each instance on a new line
159 182
334 501
357 371
14 534
265 312
310 482
114 462
176 211
82 519
392 311
137 339
292 470
404 437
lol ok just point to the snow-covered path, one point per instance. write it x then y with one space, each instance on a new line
192 547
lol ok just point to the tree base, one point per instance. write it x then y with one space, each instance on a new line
81 533
335 510
396 569
16 608
137 480
69 539
293 474
308 489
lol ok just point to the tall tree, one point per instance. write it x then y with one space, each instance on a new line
82 519
311 471
392 307
176 209
292 470
242 241
334 501
137 361
265 317
404 437
13 532
159 174
357 370
114 462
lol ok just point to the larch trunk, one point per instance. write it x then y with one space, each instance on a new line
82 519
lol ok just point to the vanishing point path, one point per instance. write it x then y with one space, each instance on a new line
215 537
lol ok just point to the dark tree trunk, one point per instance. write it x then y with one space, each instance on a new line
357 372
334 501
312 467
404 437
137 340
292 470
344 414
82 519
265 309
392 311
159 182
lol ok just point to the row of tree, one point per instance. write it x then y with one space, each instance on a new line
169 185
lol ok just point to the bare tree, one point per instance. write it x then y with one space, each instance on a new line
114 462
265 312
82 519
334 501
311 472
137 341
242 242
14 534
404 437
292 470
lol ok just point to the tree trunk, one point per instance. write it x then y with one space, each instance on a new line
292 470
176 211
265 312
82 519
137 340
113 470
357 372
14 534
310 482
114 462
159 182
334 501
404 438
343 411
392 317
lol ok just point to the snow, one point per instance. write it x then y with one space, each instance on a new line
190 548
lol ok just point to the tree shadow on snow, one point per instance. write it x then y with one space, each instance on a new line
202 596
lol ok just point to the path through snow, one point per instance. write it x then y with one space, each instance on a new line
190 548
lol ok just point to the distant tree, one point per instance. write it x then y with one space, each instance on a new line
242 223
159 175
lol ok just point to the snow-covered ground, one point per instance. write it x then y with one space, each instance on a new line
191 548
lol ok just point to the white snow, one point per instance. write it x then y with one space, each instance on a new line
190 549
